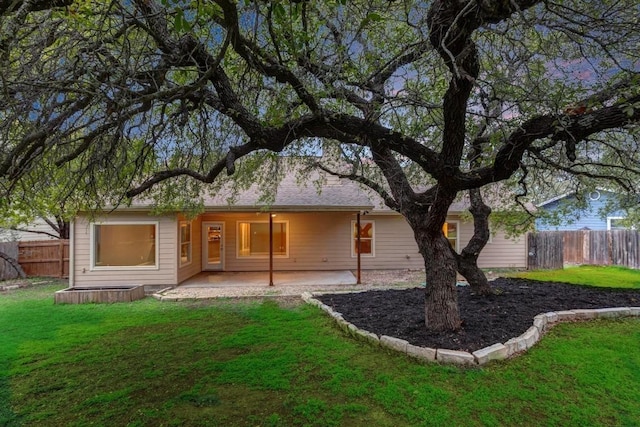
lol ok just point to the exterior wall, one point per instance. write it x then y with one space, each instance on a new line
590 218
195 266
165 274
322 241
317 241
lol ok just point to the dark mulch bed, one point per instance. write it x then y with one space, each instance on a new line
486 320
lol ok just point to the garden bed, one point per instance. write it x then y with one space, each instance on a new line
102 294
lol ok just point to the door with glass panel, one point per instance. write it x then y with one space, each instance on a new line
212 246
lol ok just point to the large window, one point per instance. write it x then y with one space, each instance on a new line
185 243
451 232
367 238
124 245
253 239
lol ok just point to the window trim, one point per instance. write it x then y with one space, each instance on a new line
609 218
92 247
180 243
353 238
262 256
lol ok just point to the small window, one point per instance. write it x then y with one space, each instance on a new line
615 223
185 243
253 239
367 239
124 246
450 230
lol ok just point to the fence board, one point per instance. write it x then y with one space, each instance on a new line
7 272
545 250
595 247
49 258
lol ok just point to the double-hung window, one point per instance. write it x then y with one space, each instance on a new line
367 239
185 243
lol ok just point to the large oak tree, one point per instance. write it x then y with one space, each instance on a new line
418 101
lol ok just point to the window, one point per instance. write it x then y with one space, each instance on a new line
253 239
185 243
450 230
615 223
367 238
124 246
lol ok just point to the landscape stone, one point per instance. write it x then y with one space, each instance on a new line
516 345
540 322
455 357
422 353
613 312
394 343
566 315
634 311
585 314
494 352
552 317
531 337
367 336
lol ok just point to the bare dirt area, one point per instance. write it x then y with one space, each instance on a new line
506 314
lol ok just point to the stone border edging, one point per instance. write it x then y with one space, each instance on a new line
499 351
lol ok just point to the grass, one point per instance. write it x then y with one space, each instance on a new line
609 277
149 363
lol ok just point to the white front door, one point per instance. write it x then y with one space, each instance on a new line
212 246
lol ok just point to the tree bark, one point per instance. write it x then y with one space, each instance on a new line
441 296
468 258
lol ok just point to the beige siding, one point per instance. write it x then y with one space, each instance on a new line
195 266
395 246
500 252
322 241
165 274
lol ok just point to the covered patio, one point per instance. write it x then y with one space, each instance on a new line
311 279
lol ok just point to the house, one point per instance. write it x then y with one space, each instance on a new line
311 231
595 210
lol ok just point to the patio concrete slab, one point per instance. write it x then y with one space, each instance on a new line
261 278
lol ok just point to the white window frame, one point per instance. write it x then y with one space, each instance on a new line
92 247
457 223
261 256
181 243
609 218
354 239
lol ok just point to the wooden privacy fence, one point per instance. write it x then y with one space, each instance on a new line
48 258
553 249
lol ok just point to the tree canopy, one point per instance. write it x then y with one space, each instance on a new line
418 101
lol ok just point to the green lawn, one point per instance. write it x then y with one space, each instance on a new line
229 363
609 277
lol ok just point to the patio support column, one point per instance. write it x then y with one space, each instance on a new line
358 243
270 249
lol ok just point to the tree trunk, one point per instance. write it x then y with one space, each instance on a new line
13 263
441 296
468 259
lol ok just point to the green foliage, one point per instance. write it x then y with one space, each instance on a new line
238 363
